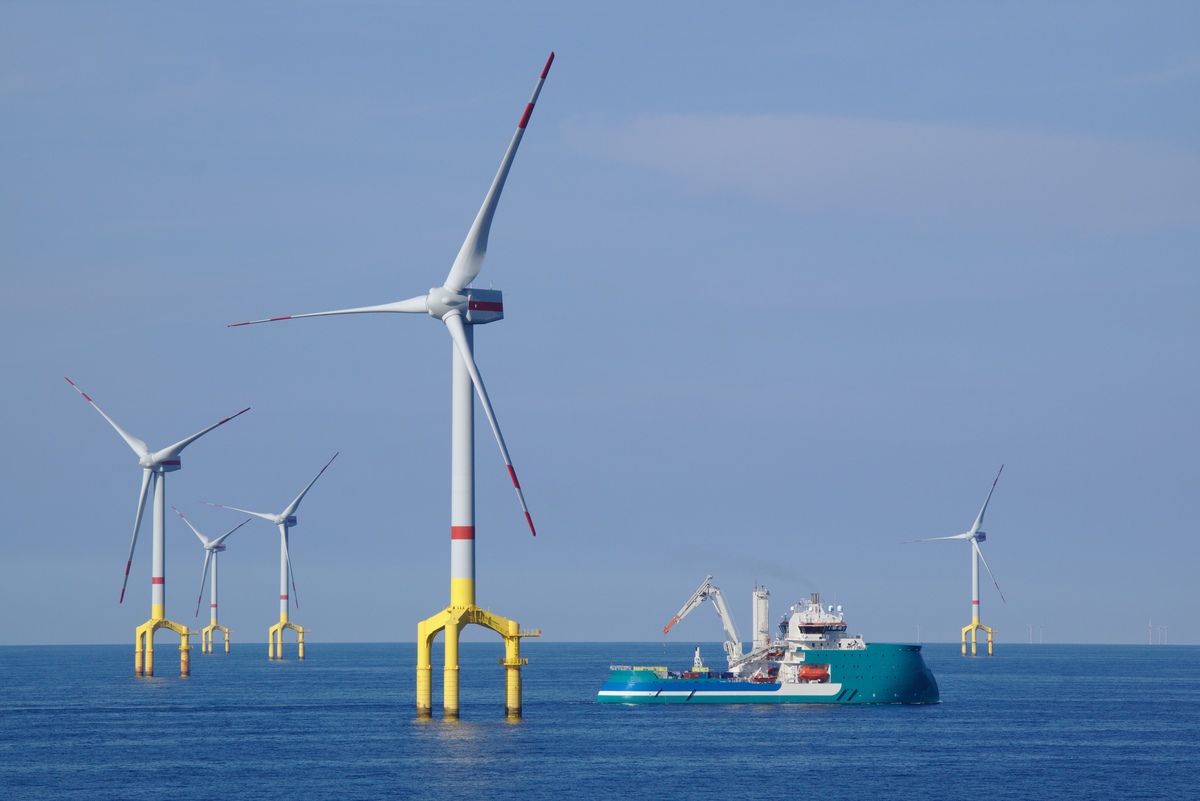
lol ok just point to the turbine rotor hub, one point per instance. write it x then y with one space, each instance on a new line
442 302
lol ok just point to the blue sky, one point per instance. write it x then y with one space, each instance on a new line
785 284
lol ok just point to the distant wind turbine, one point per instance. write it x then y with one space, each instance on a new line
155 465
975 536
212 549
284 520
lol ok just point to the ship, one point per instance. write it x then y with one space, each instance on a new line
811 660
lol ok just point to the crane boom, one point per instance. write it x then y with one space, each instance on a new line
706 591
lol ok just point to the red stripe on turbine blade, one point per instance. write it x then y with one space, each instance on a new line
462 532
529 520
525 117
277 319
513 475
546 68
157 580
235 325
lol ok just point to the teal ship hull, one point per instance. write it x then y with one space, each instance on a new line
876 674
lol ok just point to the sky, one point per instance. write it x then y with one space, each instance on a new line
785 285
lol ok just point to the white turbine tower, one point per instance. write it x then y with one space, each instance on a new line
975 536
285 520
460 308
155 465
212 549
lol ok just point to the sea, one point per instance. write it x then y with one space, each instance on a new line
1032 722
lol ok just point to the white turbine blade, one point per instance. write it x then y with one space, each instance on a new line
979 553
221 539
177 448
979 520
966 536
137 524
207 555
136 444
263 515
294 505
474 248
203 539
455 325
411 306
287 555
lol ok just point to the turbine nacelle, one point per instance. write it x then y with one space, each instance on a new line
289 521
980 536
151 462
477 306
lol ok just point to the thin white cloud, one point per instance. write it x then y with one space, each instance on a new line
933 173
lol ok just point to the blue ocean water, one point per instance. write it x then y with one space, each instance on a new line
1033 722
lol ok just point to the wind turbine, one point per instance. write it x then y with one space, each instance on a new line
461 307
212 549
975 536
284 520
155 465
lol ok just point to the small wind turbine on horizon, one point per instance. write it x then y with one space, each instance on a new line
460 308
975 536
212 549
285 520
155 465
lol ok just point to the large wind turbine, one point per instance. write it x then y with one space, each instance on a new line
155 465
212 549
975 536
461 307
284 520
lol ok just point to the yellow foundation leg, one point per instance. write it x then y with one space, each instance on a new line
974 628
452 620
150 653
139 664
450 674
185 660
226 632
512 673
424 670
275 635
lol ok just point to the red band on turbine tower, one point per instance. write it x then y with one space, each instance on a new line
462 532
157 580
976 603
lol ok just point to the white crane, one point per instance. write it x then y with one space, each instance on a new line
707 592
